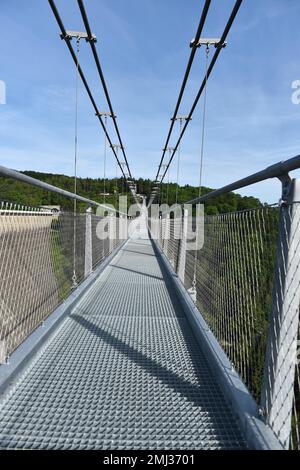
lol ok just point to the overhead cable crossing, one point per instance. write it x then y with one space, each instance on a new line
219 44
102 79
89 37
185 79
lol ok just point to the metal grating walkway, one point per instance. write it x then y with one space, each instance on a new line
124 371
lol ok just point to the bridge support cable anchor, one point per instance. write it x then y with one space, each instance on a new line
277 395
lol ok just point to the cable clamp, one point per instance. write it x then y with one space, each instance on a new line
286 185
78 35
105 114
209 42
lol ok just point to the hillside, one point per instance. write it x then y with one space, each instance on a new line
92 188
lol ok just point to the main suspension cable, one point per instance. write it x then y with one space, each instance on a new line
82 76
185 78
102 79
209 70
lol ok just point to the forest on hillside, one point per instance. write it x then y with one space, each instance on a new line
94 188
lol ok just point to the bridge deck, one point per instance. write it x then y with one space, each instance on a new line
124 371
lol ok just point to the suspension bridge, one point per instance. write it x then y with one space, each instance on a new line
120 331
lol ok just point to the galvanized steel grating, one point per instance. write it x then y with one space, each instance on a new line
124 371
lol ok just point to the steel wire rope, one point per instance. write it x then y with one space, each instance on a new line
186 76
204 82
82 76
102 79
74 278
201 165
104 159
178 162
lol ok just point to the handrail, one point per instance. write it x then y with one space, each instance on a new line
49 187
274 171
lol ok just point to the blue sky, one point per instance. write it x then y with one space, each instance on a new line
144 47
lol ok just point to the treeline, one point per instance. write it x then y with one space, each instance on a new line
229 202
93 188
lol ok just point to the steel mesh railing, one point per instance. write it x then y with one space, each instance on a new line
280 393
172 249
234 282
295 434
37 266
231 278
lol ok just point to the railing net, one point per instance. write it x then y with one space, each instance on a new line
231 280
37 265
232 276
